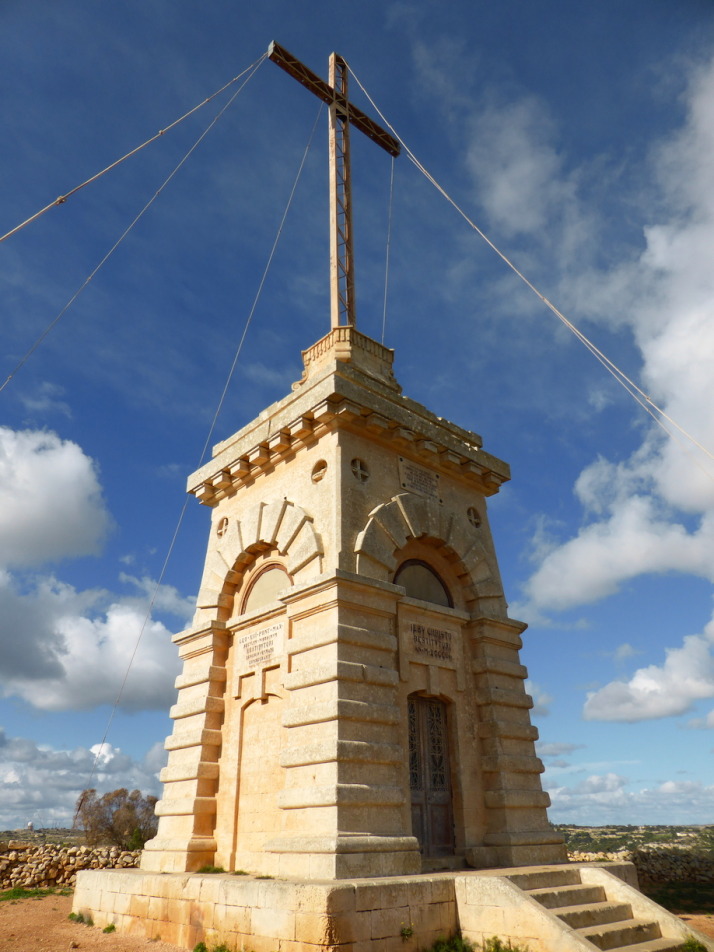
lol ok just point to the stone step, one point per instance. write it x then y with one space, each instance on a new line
626 933
575 895
594 913
652 945
435 864
539 878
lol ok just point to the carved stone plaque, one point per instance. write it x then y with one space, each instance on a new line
435 643
419 479
258 648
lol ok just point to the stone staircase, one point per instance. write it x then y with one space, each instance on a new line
603 920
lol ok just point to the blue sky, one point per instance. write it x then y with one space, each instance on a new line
577 135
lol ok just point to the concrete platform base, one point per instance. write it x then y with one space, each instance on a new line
390 914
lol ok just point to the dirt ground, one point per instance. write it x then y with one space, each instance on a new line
41 925
703 924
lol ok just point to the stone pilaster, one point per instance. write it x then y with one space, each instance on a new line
187 811
343 794
517 830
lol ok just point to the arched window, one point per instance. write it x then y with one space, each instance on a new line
421 581
264 588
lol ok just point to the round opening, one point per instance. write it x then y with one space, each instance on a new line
473 517
318 470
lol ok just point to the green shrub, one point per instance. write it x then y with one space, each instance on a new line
453 944
211 869
110 928
692 944
496 945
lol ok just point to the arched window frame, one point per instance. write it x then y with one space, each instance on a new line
432 571
260 572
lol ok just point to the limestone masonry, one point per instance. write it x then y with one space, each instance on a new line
352 701
352 741
351 704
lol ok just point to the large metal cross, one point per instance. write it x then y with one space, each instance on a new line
342 114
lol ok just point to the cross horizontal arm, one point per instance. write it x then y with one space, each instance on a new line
280 56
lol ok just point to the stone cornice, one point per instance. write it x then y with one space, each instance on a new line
427 440
347 382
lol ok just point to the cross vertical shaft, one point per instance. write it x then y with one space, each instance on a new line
342 282
342 115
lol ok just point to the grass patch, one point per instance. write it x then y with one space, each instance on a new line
454 943
20 892
240 872
692 944
211 869
110 928
497 945
202 947
683 897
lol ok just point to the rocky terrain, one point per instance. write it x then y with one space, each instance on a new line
53 864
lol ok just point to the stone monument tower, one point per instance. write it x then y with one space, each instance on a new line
352 703
352 700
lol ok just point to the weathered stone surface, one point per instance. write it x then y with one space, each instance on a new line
366 914
292 720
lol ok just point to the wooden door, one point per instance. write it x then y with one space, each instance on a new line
430 777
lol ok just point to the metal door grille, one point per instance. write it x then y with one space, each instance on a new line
429 776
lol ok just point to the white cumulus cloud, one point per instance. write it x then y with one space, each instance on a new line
602 799
686 675
74 648
41 784
635 538
541 699
517 169
51 504
651 513
62 648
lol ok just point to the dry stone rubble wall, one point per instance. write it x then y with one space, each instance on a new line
33 866
49 865
660 865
